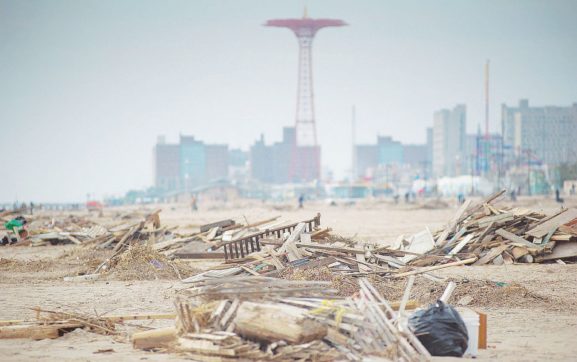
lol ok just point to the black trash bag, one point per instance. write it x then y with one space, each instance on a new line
441 330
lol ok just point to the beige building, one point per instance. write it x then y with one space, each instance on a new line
546 133
449 141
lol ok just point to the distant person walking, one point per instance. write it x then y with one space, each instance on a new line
557 197
513 196
193 203
461 198
301 201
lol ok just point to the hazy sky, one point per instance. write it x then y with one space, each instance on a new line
86 86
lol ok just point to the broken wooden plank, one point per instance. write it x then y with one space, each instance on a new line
330 248
289 245
541 230
561 250
36 331
461 245
492 254
431 268
516 239
223 224
213 232
156 338
441 240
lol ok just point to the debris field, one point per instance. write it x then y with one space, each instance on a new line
282 289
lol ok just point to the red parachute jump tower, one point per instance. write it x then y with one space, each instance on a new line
306 155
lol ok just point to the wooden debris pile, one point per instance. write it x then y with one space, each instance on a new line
479 233
50 324
271 319
484 232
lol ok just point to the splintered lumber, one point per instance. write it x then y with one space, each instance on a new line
36 331
448 292
362 264
128 234
223 224
519 252
406 295
473 209
73 239
156 338
453 223
324 261
434 267
421 242
289 245
461 244
333 248
492 254
516 239
275 322
380 328
561 250
213 232
201 255
542 229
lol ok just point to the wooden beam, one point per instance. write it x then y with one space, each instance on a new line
275 322
434 267
36 331
223 224
517 239
331 248
492 254
156 338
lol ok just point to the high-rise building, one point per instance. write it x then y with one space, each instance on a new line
449 141
217 162
545 133
271 163
192 162
166 165
188 164
387 152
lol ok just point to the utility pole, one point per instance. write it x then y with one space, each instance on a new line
529 172
354 141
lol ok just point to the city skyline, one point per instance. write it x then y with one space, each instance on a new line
80 105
